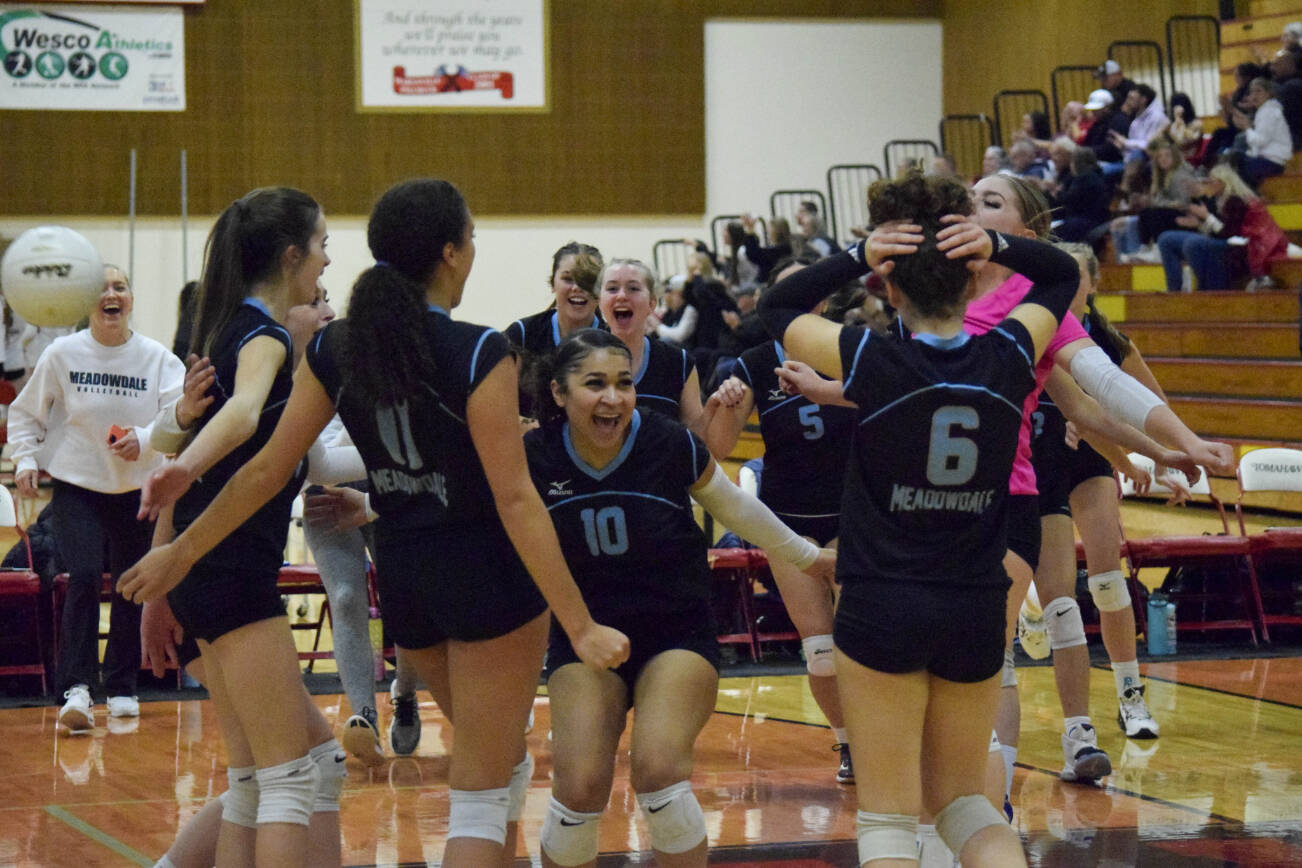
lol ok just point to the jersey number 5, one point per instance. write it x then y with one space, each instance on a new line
605 530
812 421
952 460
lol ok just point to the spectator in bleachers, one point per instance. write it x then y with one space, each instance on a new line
1024 162
1185 128
1036 130
1223 139
813 231
1083 198
1072 124
737 269
1170 192
944 166
1105 119
1147 120
995 161
1112 79
1202 241
1284 72
779 246
1269 144
1291 36
1061 150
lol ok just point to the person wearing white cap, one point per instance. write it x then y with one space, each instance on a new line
1114 80
1106 118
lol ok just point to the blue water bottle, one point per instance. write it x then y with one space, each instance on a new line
1161 625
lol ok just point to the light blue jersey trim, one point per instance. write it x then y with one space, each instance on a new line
854 366
474 359
646 361
258 304
615 462
615 493
964 386
940 343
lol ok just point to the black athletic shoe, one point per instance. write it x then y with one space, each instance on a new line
845 772
404 726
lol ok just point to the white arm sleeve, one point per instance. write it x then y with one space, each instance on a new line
752 520
1117 392
333 465
680 331
165 434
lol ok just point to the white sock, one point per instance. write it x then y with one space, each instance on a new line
1070 723
838 733
1126 675
1010 760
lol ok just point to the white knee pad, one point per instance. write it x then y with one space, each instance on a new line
1008 674
286 792
240 801
1063 622
521 776
964 817
479 813
332 771
886 836
1110 592
673 817
569 837
819 654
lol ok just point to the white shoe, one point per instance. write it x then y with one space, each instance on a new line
123 706
1134 717
1147 255
78 713
1032 634
1082 759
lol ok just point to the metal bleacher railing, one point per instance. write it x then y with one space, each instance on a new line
898 152
847 190
1193 52
966 138
1141 61
1010 106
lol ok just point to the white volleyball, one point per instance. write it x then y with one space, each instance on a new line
52 276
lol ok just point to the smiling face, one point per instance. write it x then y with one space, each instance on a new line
626 301
110 314
572 303
307 265
598 399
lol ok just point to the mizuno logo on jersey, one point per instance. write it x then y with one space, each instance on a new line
557 489
778 395
905 498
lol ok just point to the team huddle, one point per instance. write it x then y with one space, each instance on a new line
898 506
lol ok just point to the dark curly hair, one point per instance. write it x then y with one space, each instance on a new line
387 353
934 283
559 364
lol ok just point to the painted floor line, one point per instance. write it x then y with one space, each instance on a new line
99 836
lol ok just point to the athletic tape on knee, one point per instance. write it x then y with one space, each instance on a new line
521 775
820 657
240 801
1063 622
994 741
569 837
479 813
964 817
886 836
674 818
332 771
1110 591
1008 674
286 792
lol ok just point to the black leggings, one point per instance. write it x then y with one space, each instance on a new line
89 525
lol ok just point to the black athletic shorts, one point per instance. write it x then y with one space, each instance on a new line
647 637
214 599
187 652
432 590
955 632
822 529
1059 469
1023 527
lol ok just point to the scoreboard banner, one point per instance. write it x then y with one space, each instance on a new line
92 58
452 55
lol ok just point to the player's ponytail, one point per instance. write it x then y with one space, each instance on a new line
413 222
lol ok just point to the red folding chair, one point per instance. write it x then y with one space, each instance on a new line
23 588
733 568
1274 469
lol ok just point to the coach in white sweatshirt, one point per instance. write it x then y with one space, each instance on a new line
83 417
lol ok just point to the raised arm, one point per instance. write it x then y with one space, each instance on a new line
735 402
493 417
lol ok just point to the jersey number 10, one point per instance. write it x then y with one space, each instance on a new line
605 530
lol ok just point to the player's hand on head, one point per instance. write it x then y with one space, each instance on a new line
163 488
961 237
891 239
600 647
158 572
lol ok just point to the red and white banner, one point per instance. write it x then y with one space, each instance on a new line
445 55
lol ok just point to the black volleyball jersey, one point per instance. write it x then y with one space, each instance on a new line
806 445
423 472
261 539
660 379
532 337
627 530
927 480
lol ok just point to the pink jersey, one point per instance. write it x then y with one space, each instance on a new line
985 313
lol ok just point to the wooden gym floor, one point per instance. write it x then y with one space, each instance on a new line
1221 787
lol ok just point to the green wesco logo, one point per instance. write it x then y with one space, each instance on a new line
52 44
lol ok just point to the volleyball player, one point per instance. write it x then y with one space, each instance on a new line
420 394
575 268
619 483
805 450
920 625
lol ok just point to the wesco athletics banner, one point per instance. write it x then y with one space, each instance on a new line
92 58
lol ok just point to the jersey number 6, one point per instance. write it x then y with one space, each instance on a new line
952 460
605 530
